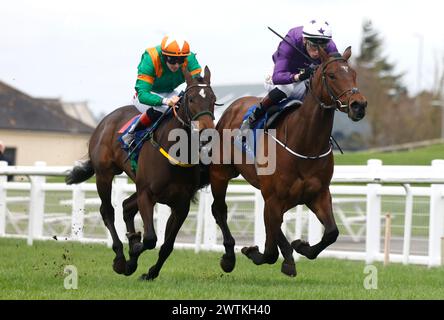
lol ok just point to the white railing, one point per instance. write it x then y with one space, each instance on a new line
366 187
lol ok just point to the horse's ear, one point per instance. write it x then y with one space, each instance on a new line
347 53
323 54
187 75
207 75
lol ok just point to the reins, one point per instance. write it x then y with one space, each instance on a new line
337 104
188 124
191 118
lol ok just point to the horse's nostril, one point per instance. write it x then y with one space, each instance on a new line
356 105
362 104
358 110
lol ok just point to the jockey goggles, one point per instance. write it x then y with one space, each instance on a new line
316 45
174 59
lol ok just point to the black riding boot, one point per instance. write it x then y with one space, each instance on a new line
272 98
149 118
128 137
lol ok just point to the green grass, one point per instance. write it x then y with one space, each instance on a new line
418 156
36 272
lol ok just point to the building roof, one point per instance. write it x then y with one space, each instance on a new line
80 111
19 111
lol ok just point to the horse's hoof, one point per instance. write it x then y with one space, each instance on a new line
297 244
151 275
303 247
119 265
249 250
136 249
144 277
149 243
253 254
288 269
227 263
134 237
131 267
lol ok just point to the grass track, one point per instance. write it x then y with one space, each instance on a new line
37 273
419 156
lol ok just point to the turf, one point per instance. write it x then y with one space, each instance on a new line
37 272
416 157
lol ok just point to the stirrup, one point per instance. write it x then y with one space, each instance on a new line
146 136
131 144
128 138
245 125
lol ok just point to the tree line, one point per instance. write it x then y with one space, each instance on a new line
395 116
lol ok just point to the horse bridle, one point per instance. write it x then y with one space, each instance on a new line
190 117
187 124
337 103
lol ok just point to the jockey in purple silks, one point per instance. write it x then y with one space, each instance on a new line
292 69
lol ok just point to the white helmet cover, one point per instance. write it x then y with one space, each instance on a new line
317 30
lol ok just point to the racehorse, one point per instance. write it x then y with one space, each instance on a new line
157 179
304 163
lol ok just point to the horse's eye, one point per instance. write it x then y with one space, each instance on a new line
191 100
331 76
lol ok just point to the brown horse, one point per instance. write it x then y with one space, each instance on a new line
304 163
157 179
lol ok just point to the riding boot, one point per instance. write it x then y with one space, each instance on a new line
143 122
260 110
267 102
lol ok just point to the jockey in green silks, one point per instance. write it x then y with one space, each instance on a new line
159 74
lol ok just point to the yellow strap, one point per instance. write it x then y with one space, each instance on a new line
167 155
174 161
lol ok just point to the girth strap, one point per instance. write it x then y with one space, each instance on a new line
172 160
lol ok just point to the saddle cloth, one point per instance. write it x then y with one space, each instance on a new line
139 136
267 121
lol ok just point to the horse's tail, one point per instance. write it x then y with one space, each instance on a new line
80 173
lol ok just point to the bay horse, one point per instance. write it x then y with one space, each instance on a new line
304 163
157 179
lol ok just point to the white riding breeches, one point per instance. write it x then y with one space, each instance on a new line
295 90
143 107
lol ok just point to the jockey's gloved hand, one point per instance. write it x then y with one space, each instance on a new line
306 73
171 101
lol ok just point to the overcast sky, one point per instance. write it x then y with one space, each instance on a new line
89 50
